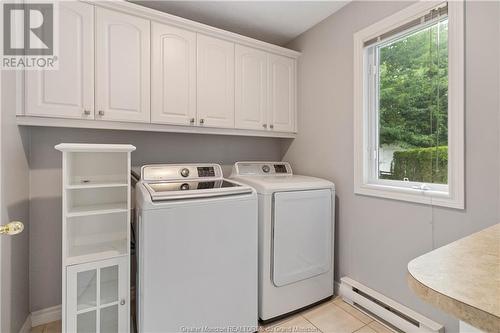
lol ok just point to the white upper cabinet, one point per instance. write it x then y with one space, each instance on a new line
120 62
173 75
251 88
215 82
282 95
69 91
122 67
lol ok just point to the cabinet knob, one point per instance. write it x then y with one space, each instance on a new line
271 126
122 302
264 125
202 121
86 112
101 113
191 121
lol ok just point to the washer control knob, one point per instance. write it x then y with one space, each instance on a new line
266 168
185 172
185 187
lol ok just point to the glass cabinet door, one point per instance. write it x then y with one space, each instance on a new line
97 297
86 288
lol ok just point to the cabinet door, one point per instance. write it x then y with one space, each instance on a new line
173 90
98 297
282 93
122 67
250 88
69 91
215 83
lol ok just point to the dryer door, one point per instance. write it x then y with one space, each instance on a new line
302 237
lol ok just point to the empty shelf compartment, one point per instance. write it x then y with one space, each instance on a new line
92 201
84 170
97 237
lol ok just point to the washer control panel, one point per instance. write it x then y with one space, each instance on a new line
206 171
185 172
173 172
262 169
280 168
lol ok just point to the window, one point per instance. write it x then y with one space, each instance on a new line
409 100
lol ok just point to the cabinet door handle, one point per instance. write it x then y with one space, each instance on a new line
86 112
202 121
271 126
264 125
191 121
101 113
122 302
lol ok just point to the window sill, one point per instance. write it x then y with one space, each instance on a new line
426 197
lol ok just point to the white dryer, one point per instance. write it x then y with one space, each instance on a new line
296 232
196 251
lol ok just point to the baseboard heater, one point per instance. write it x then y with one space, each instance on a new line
395 315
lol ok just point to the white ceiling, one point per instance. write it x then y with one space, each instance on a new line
276 22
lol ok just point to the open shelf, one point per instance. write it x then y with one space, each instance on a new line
98 251
98 209
96 168
96 201
96 237
95 185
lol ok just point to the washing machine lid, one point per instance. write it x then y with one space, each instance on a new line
187 181
163 191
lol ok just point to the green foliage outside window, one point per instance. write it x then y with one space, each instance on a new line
428 165
413 104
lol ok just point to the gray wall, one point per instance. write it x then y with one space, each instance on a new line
14 206
45 184
376 238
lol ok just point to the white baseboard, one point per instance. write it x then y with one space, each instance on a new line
26 328
45 316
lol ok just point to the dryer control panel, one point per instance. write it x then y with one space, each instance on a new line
262 169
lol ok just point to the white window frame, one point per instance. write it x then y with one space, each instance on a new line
365 182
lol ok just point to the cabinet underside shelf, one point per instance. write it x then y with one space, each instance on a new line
144 127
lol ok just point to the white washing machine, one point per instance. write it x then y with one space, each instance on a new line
196 251
296 227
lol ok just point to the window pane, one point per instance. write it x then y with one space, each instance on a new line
413 106
86 289
86 322
109 319
109 284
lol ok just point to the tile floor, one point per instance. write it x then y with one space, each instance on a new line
334 316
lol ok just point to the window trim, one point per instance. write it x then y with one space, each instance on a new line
364 184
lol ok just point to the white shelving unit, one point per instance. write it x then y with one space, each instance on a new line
96 237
